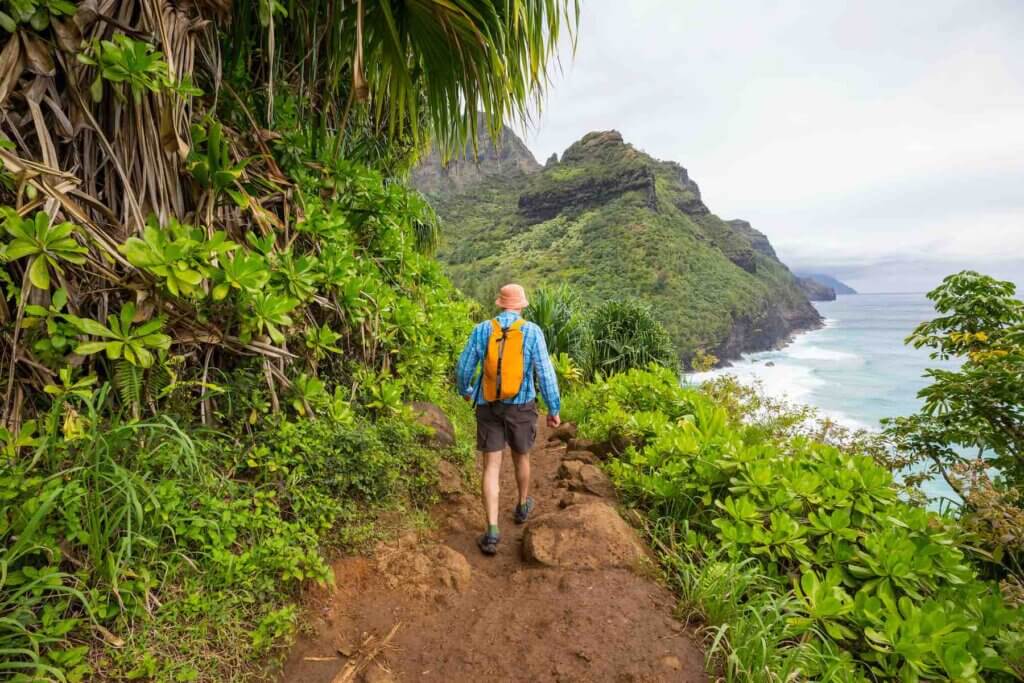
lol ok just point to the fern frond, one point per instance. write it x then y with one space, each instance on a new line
128 380
158 379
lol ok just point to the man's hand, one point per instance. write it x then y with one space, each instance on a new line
554 421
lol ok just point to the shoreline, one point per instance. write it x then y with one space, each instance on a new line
780 343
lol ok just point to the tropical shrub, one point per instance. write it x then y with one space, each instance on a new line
841 574
623 335
976 410
557 311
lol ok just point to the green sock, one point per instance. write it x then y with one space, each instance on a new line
492 529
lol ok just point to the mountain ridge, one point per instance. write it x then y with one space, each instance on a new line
479 160
613 221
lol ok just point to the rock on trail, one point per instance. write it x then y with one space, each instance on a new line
582 536
567 598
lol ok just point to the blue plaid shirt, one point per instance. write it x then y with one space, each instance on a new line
535 358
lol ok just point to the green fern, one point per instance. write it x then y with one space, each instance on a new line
157 380
128 379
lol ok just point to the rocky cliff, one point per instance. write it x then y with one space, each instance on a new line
614 222
487 160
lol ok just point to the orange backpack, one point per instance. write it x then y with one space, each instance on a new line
503 364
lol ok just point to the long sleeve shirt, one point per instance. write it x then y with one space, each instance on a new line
536 363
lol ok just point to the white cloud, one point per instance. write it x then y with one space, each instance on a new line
844 130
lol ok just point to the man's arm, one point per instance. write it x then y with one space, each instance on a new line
468 362
547 380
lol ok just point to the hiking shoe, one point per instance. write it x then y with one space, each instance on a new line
523 511
488 544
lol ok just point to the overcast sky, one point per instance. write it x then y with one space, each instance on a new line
882 141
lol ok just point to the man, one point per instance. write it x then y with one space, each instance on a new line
512 352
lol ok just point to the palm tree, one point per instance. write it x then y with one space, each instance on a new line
417 68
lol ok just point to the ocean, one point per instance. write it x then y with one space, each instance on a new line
856 369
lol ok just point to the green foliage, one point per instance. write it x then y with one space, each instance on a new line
121 338
604 339
267 313
846 575
46 245
210 161
558 313
414 70
624 335
980 405
244 272
55 333
125 61
36 13
180 255
149 513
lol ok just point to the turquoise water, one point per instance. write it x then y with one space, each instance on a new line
856 369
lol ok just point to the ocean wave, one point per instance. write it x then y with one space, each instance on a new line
793 383
789 382
809 352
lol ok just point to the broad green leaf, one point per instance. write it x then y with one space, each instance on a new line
39 273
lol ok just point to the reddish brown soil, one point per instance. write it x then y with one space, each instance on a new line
493 618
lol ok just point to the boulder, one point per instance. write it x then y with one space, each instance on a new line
449 479
431 416
570 469
425 571
578 444
588 457
584 536
593 480
585 477
563 432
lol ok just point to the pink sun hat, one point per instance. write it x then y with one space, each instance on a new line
512 296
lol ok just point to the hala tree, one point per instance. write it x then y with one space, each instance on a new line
226 167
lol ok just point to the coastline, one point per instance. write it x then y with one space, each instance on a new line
780 345
773 331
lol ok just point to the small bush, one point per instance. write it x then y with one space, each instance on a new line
624 335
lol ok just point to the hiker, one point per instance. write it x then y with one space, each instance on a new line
514 355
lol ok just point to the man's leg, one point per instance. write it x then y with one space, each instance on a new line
491 483
522 463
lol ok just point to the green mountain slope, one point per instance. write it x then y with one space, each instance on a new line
615 222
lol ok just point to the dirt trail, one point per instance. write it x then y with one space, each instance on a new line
574 603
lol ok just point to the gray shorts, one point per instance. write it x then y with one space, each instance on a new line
500 424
